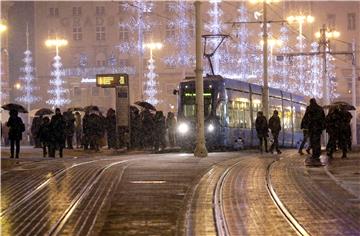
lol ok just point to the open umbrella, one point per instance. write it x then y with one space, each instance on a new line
72 109
14 106
134 109
43 112
91 108
342 105
145 105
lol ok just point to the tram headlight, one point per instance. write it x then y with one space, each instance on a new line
211 128
183 128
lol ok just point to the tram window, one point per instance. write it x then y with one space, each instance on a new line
238 111
287 115
256 106
221 112
275 104
189 108
299 111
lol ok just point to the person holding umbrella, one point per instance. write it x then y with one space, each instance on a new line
57 125
16 128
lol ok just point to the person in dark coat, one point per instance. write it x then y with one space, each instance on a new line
111 128
16 128
57 125
136 140
148 128
316 117
45 136
261 126
69 119
305 127
159 131
78 129
95 131
275 127
35 126
344 131
86 130
171 127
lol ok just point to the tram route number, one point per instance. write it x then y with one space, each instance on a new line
112 80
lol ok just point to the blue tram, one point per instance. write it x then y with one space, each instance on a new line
230 108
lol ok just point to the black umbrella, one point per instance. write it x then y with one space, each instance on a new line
72 109
342 105
91 108
134 109
145 105
43 112
14 106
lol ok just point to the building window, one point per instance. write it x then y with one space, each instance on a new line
123 63
100 11
77 33
77 91
107 92
170 31
53 11
121 7
76 11
351 21
123 33
349 86
331 19
95 91
100 32
100 63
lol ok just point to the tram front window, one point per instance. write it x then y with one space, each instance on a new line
189 104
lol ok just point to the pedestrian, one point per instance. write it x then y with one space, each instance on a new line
5 134
171 128
69 119
261 126
344 134
136 126
159 131
57 125
110 125
332 124
78 129
16 128
275 127
102 130
86 130
45 136
316 116
305 127
35 126
347 129
148 128
94 131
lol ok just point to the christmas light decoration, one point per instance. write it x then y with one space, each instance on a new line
151 84
315 83
28 87
283 64
331 77
57 91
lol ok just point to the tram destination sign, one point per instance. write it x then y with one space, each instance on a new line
112 80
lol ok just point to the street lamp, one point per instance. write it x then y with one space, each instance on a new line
300 19
3 27
151 90
57 43
17 86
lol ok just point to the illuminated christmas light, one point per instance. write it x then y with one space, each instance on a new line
151 84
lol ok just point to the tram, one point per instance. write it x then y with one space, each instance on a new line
230 109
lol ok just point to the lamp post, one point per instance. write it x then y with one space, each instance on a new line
150 90
324 36
58 90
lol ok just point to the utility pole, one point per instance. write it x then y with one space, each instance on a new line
353 91
265 94
200 150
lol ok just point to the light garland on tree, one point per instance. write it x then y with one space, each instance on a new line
151 84
331 77
57 91
28 88
315 83
283 67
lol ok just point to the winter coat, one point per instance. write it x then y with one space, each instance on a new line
316 118
57 125
45 133
110 124
274 125
16 128
261 126
35 126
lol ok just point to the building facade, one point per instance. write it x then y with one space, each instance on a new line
108 37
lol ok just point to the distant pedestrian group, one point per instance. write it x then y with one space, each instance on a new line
262 129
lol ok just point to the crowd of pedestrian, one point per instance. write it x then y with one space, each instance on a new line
314 122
